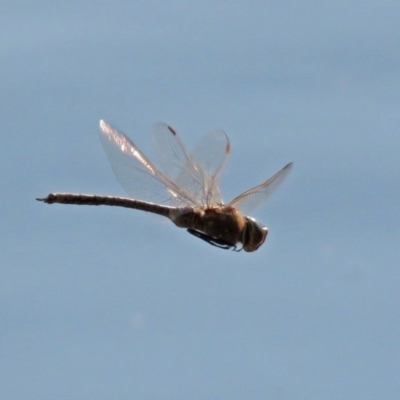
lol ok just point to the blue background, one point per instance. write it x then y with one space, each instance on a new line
101 303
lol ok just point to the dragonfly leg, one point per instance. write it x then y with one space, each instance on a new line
213 241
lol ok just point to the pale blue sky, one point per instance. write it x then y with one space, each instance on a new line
99 303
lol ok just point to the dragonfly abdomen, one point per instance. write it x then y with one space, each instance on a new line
100 200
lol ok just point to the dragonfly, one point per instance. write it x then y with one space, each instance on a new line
184 188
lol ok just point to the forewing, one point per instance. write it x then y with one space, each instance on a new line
197 173
257 196
136 173
171 151
211 155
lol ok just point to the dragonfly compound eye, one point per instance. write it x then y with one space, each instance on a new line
254 235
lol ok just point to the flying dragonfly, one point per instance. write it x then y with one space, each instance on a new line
184 188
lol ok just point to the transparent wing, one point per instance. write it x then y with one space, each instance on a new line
171 151
137 174
257 196
198 173
211 155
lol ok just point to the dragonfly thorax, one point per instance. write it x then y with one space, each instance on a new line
225 224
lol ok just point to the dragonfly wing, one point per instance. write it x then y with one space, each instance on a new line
257 196
171 151
198 173
176 161
211 155
136 173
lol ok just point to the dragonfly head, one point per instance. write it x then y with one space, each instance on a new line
254 235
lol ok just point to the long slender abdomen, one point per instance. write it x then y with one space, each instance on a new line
96 200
